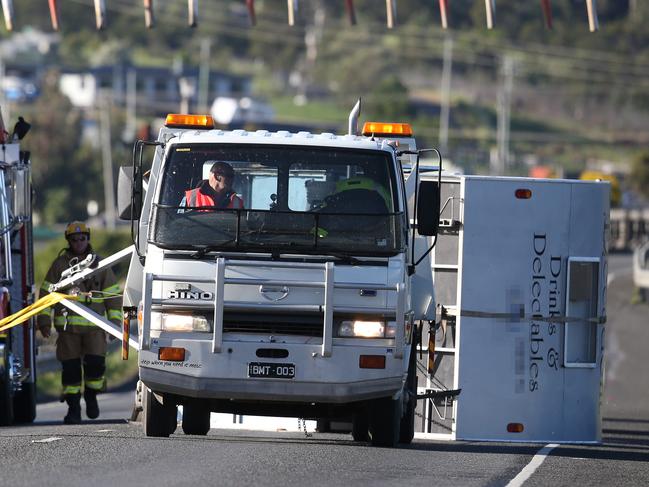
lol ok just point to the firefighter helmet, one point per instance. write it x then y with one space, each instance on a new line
76 227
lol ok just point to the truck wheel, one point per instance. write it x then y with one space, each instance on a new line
360 427
385 419
407 429
25 404
6 399
196 419
159 419
323 425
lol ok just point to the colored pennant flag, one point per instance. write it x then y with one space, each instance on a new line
250 4
391 10
547 13
292 11
593 23
149 20
8 12
192 13
490 6
54 14
443 13
100 14
351 13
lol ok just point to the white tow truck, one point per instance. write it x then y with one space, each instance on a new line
312 299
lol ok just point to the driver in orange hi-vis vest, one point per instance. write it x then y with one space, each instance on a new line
216 191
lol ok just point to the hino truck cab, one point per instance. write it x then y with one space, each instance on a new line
296 304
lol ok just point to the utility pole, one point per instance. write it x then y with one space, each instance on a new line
204 76
3 103
501 164
107 162
445 101
128 135
312 37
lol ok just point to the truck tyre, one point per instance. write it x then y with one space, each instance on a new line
25 404
6 392
360 427
323 425
159 419
196 419
385 419
407 429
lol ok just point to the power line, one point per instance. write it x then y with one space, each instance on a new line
592 60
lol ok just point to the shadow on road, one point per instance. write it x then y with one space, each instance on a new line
94 422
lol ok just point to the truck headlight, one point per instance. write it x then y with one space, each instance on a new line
179 322
361 329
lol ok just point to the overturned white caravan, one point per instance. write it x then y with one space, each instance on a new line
520 272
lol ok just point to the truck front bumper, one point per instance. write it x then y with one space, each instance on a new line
267 389
335 380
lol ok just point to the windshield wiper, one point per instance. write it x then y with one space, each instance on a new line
204 249
347 259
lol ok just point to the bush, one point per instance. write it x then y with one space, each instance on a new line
103 242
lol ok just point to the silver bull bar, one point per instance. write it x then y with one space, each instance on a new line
327 308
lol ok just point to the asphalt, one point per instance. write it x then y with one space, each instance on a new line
112 451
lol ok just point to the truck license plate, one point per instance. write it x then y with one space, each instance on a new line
270 370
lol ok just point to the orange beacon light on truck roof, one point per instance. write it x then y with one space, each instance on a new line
179 120
380 129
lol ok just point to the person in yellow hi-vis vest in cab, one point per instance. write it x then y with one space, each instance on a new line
81 346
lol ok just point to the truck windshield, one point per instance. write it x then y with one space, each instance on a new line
289 199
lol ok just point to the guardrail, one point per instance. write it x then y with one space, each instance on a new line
629 228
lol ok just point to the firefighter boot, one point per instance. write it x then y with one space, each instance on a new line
92 407
74 409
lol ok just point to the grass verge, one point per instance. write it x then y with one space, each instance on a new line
118 373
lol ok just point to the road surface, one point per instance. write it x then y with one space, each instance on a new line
112 451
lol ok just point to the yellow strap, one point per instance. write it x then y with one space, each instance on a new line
31 310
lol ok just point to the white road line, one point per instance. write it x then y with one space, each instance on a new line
611 277
623 271
47 440
105 431
531 467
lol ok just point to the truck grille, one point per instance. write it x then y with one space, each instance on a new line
274 324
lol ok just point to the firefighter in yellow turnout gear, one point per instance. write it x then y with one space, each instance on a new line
81 346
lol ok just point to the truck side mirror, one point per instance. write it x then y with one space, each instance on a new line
428 199
129 194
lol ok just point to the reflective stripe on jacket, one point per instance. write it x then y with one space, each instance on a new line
196 198
104 297
365 183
